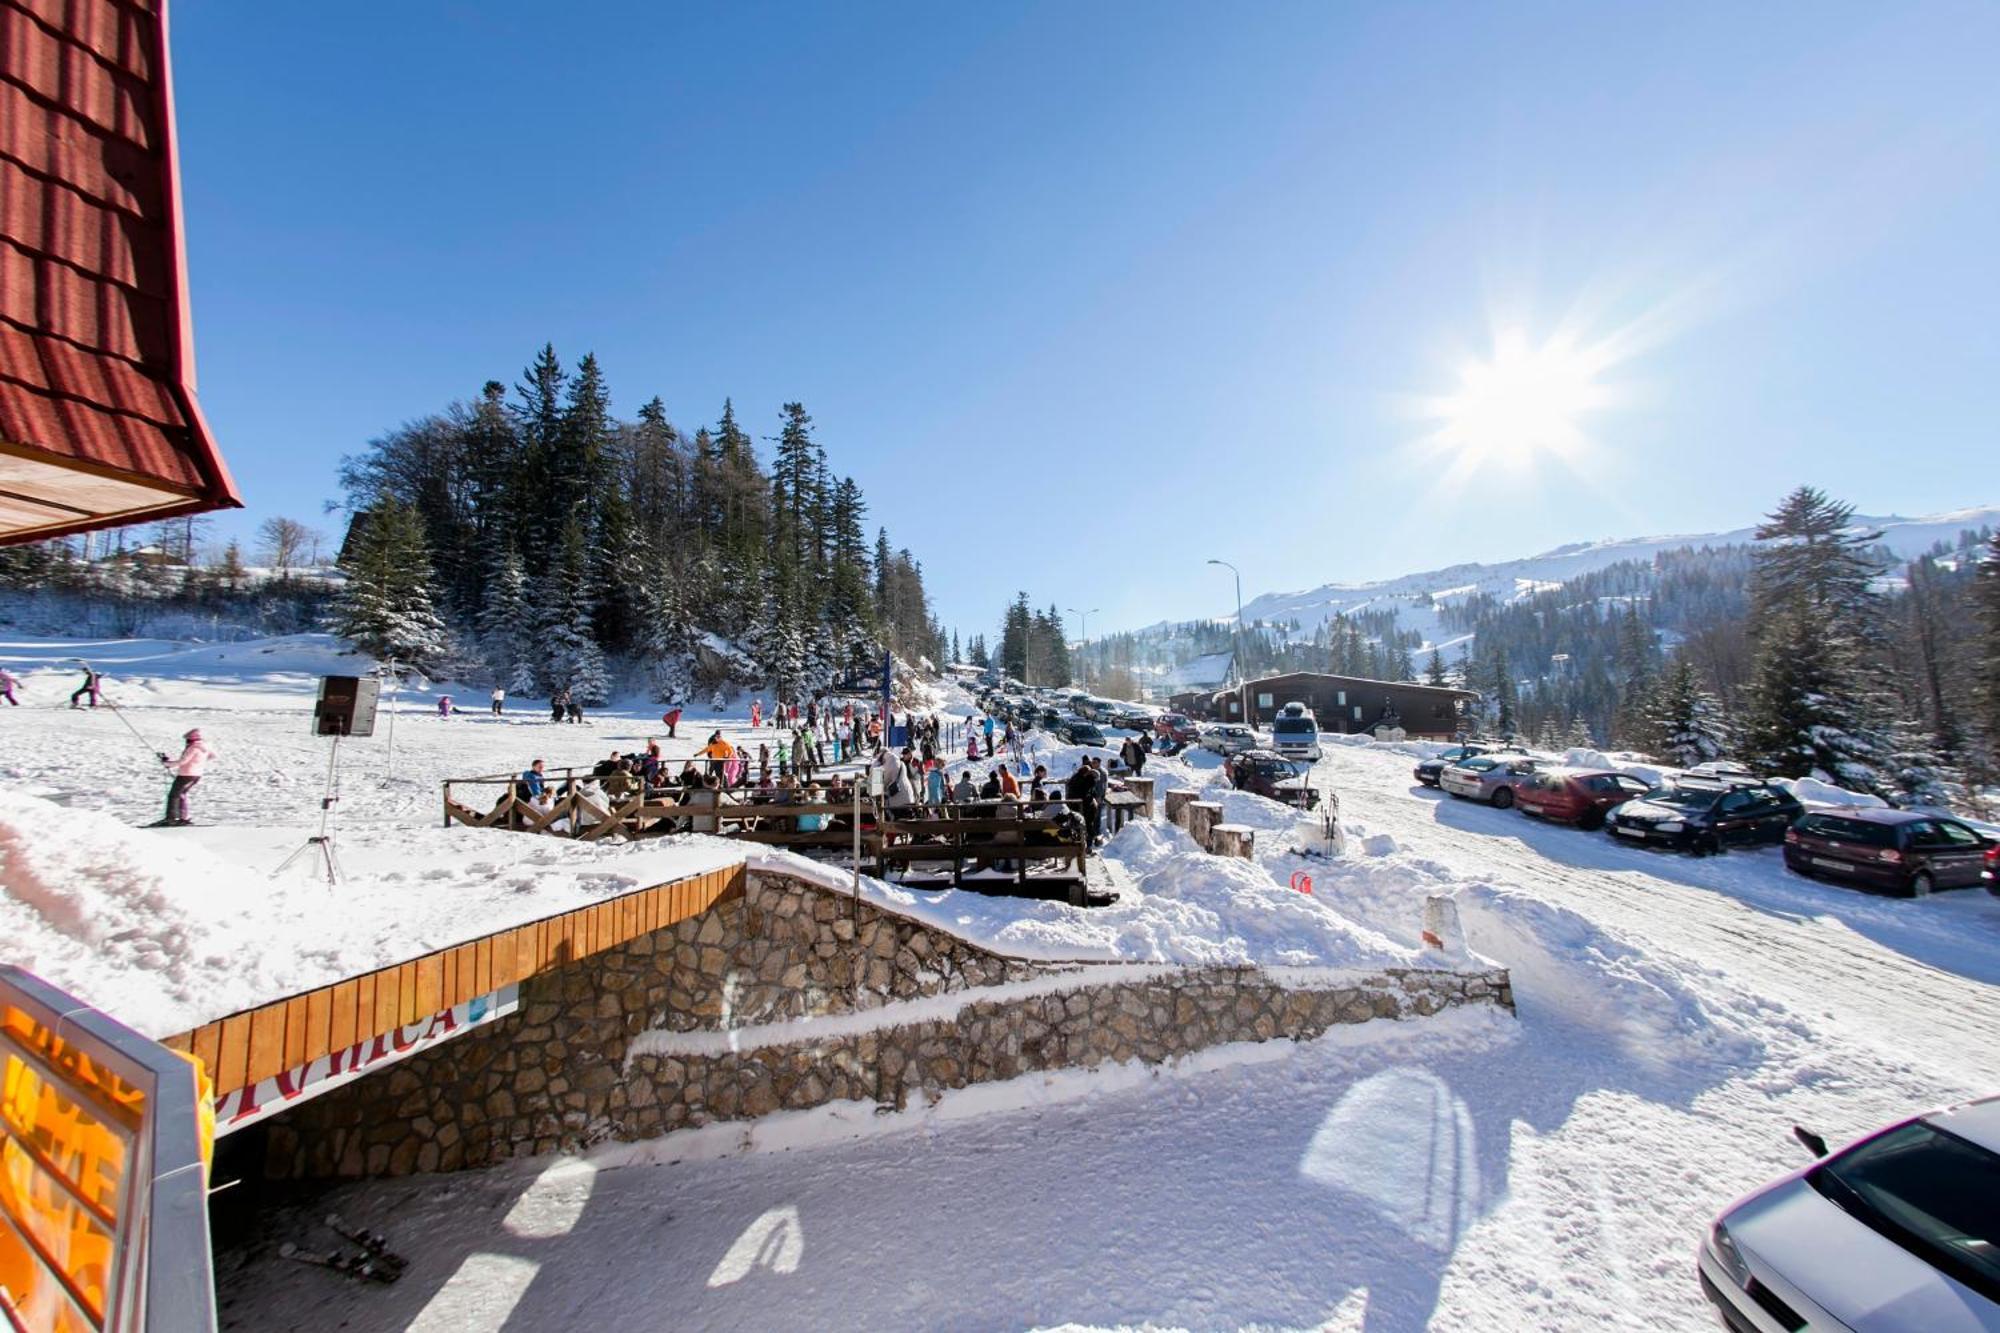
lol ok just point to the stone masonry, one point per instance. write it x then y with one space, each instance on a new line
560 1073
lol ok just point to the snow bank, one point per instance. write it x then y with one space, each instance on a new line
166 931
1812 791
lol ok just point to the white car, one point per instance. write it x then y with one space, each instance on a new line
1228 738
1899 1230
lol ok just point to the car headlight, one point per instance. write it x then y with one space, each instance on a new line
1670 826
1730 1257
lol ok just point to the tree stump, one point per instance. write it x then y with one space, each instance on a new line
1177 804
1143 789
1202 817
1236 840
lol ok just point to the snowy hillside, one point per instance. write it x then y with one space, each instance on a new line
1413 596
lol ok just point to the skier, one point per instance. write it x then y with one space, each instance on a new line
557 701
7 686
187 771
444 705
499 700
972 746
756 714
718 751
93 685
575 707
672 717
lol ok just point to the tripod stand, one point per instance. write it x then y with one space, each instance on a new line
322 842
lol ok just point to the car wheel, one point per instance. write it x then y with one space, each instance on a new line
1708 844
1591 821
1503 798
1921 884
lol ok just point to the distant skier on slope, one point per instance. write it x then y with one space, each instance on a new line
187 771
7 687
93 685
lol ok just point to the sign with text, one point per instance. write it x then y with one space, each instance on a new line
246 1106
103 1171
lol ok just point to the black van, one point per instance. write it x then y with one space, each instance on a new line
1903 851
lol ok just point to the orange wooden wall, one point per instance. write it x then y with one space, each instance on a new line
256 1044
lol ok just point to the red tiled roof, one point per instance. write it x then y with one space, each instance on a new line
98 420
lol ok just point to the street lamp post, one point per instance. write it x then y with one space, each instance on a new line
1084 616
1236 640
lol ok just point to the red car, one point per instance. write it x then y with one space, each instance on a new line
1577 796
1176 727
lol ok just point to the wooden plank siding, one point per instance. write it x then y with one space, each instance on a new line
258 1043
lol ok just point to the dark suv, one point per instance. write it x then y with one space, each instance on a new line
1705 815
1427 772
1902 851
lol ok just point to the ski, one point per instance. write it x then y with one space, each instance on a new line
373 1243
168 823
356 1266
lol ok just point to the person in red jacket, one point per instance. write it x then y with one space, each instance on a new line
672 717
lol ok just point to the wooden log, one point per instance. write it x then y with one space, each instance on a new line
1177 804
1202 817
1232 840
1143 789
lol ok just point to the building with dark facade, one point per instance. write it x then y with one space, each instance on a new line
1348 704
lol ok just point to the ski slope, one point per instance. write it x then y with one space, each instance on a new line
1413 596
1470 1173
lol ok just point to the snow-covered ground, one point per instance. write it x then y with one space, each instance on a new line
1677 1016
168 928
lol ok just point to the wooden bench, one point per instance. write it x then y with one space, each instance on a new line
959 839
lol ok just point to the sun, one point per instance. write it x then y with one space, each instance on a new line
1522 402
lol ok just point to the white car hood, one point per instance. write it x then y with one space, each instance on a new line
1866 1281
1647 812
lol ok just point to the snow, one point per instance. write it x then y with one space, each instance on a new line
1512 580
1677 1016
170 928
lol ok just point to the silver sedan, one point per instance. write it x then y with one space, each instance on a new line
1491 778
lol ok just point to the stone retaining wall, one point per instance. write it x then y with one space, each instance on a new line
791 972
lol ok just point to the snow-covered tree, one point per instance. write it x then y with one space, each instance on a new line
385 609
1686 717
506 633
1916 775
1578 736
565 652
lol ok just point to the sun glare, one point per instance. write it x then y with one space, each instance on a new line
1522 402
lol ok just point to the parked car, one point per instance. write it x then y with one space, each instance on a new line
1080 732
1132 718
1294 733
1049 719
1427 772
1228 738
1492 778
1577 796
1900 1230
1704 815
1268 773
1900 850
1991 874
1178 727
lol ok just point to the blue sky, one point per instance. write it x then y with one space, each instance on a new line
1084 294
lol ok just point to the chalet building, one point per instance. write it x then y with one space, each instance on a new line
1187 687
1349 704
98 420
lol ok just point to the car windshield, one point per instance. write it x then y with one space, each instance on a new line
1933 1193
1683 798
1479 765
1294 726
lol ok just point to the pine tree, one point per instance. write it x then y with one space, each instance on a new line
1916 775
667 634
505 631
1434 672
1816 704
1986 657
1686 717
385 609
568 657
1578 736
